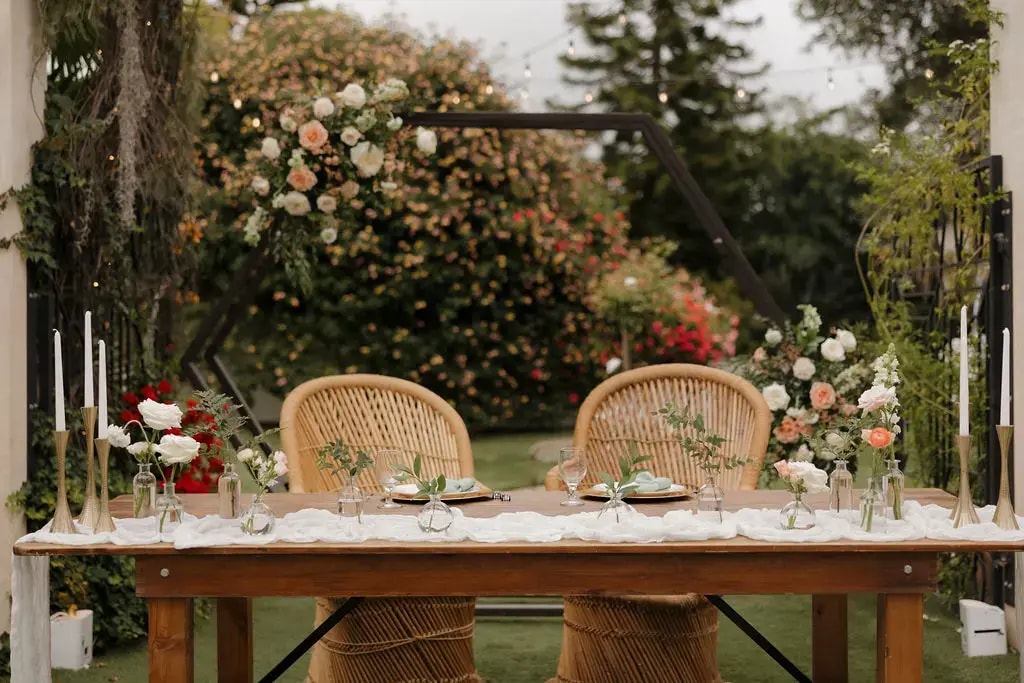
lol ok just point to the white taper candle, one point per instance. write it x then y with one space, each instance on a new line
58 384
964 402
89 393
1004 395
102 433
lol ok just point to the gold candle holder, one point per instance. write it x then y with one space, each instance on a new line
62 522
964 512
1004 517
104 522
91 505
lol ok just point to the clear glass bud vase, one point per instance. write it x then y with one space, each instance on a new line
616 508
709 500
169 510
435 516
350 501
893 485
258 519
873 508
229 492
796 514
144 492
840 489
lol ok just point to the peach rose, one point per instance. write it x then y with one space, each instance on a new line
312 136
301 178
823 396
879 437
788 431
782 467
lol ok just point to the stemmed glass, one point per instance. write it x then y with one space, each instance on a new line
385 464
572 467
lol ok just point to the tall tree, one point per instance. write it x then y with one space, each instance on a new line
671 59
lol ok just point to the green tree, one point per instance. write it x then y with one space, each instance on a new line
672 59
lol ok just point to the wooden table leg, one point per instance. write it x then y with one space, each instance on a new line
234 640
829 638
900 638
171 641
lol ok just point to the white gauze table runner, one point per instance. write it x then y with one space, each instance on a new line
30 642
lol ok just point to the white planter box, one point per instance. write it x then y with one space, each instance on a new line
71 640
984 629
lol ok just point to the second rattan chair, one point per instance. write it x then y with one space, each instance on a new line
657 639
384 640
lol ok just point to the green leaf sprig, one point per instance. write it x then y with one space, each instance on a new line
427 487
628 469
341 459
698 443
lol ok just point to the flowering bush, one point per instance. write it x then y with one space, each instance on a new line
809 382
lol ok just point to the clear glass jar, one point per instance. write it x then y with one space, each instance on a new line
893 485
840 488
229 492
435 516
873 508
169 510
617 508
709 500
350 501
258 519
796 514
144 492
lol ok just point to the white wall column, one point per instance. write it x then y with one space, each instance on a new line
22 86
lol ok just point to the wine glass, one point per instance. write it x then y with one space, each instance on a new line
386 462
572 467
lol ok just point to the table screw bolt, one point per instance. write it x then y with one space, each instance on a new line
907 569
165 572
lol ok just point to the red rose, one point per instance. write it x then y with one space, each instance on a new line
130 399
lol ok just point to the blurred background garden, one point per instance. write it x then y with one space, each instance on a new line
511 271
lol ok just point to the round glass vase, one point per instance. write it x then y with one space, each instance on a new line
229 492
616 508
435 516
873 507
169 510
893 485
144 492
709 500
840 489
796 514
350 502
258 519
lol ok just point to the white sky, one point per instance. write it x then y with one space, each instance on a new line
508 28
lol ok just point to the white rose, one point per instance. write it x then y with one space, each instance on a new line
803 368
295 203
630 281
117 436
326 203
260 186
280 456
612 365
138 448
329 235
288 124
350 135
323 107
808 417
244 455
352 96
368 158
775 396
177 450
876 397
426 140
804 454
847 339
772 337
160 416
388 186
394 123
833 350
815 480
280 469
270 149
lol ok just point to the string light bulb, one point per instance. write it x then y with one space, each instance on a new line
256 122
237 103
831 81
489 89
741 94
588 98
929 74
214 77
456 99
526 71
571 51
622 18
662 95
524 93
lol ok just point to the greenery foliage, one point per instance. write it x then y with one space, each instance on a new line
624 483
425 487
697 442
342 459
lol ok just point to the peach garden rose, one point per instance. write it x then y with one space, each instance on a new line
823 396
312 136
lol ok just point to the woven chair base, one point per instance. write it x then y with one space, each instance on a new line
397 640
657 639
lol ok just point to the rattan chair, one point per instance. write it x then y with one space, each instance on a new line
656 639
384 640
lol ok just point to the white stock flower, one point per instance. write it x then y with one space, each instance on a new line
630 281
426 140
117 436
394 123
160 416
260 186
254 225
391 90
772 337
288 124
326 203
350 135
352 96
270 149
815 480
177 450
803 368
389 186
280 468
833 350
811 320
280 456
329 235
366 120
847 339
612 365
295 203
139 447
775 396
803 454
368 158
323 107
244 455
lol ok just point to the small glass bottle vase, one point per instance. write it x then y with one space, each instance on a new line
258 519
893 485
229 492
840 490
709 500
435 516
169 510
144 492
796 514
350 502
873 507
616 508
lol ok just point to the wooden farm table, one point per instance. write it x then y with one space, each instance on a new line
901 573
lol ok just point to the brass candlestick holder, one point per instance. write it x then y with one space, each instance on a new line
62 522
104 522
964 512
1004 517
91 505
